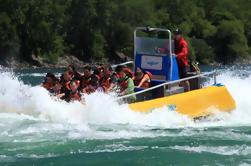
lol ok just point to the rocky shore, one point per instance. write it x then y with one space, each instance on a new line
38 62
66 60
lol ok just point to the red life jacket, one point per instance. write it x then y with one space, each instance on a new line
181 50
75 96
106 84
149 74
67 85
84 82
123 84
78 83
128 72
98 77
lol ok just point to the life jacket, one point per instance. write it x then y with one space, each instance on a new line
67 85
106 84
75 96
149 74
84 82
123 84
78 83
98 77
100 68
128 72
146 83
65 89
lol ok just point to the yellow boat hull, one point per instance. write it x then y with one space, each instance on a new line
194 104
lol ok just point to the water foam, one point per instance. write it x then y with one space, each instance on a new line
102 109
221 150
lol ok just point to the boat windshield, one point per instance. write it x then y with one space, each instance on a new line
152 46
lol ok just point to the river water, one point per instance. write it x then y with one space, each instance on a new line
36 129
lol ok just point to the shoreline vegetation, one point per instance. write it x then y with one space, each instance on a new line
58 33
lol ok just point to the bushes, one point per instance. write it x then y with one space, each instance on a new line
204 53
230 41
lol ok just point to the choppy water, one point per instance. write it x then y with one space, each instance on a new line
38 130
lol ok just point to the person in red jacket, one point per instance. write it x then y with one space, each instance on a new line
181 52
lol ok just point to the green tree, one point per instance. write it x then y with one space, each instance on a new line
230 41
8 39
204 53
97 29
81 29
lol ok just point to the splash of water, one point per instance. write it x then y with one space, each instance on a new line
102 109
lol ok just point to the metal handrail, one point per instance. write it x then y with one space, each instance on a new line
169 83
124 63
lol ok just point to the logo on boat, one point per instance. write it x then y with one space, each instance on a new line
171 107
152 63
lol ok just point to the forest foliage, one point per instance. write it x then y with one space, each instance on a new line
217 30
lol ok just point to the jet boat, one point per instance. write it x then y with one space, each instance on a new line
154 52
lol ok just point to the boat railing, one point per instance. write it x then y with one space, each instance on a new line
122 64
205 74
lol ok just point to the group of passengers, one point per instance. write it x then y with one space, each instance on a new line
72 84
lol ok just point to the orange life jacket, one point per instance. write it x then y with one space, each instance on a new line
146 83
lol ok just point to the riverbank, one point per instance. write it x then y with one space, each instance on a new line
62 62
66 60
38 62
